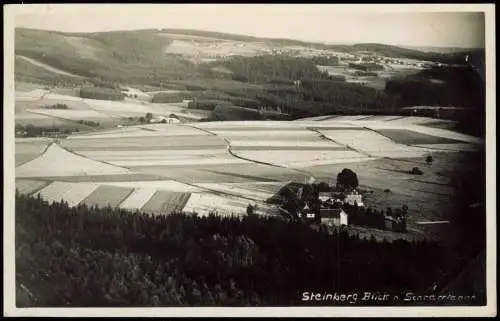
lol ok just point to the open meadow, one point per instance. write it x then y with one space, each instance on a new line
225 166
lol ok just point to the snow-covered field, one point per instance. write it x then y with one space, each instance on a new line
372 143
203 204
193 167
284 143
138 198
73 193
167 185
59 162
245 190
297 158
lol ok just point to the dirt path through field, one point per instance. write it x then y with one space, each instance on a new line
49 68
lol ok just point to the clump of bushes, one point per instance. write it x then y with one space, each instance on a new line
366 66
228 112
88 123
206 104
101 93
31 130
56 106
416 171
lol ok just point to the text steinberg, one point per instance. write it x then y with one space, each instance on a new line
351 298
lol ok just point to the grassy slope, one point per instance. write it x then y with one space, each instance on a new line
122 56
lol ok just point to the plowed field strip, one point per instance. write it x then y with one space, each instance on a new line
107 195
165 202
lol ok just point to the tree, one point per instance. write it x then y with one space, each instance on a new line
347 179
416 171
148 117
307 192
429 159
323 187
249 209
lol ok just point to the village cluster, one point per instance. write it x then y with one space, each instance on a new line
337 206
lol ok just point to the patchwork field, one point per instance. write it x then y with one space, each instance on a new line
30 109
225 166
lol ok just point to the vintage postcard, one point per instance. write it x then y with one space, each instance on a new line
249 160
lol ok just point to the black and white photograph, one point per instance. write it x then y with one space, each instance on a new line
249 160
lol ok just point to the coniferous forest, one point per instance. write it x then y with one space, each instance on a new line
85 257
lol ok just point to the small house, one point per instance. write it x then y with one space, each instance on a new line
354 198
334 216
166 120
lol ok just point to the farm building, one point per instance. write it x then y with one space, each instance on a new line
331 213
171 119
307 213
354 198
334 216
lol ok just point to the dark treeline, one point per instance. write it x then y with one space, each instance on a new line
366 66
109 257
261 69
445 86
440 86
89 123
105 93
371 217
56 106
31 130
316 94
319 94
226 112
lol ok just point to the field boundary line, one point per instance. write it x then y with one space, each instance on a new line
43 152
201 129
431 192
37 190
34 111
392 140
397 118
338 143
433 183
123 200
94 160
230 151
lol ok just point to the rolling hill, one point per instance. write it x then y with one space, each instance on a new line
142 55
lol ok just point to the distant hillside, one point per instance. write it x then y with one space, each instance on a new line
123 56
444 50
140 56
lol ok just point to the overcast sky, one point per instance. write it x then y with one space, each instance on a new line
319 22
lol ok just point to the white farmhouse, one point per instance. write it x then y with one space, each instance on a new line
334 216
172 119
354 198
